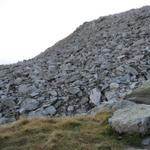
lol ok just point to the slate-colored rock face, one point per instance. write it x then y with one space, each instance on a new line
111 54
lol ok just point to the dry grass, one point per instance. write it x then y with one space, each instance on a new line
70 133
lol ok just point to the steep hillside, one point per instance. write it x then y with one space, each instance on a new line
102 60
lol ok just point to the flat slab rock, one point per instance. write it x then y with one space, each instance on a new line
132 120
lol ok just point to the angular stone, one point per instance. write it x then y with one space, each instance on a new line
29 104
53 93
18 80
4 120
70 108
114 86
74 90
7 102
36 113
95 96
111 95
106 50
125 79
121 57
35 93
23 89
49 111
111 106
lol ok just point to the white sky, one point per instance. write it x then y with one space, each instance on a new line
28 27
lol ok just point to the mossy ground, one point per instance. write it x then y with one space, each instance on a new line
70 133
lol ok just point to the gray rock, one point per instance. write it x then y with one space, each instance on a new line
70 108
114 86
111 95
141 94
36 113
106 50
146 141
74 90
135 119
121 57
125 79
22 111
49 111
4 120
53 93
0 115
7 102
111 106
29 104
52 68
138 42
131 70
18 80
35 93
95 96
23 89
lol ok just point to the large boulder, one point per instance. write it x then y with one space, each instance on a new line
111 106
132 120
141 94
48 111
29 104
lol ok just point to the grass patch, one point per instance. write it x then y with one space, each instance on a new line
70 133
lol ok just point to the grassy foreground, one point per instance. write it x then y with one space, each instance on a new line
70 133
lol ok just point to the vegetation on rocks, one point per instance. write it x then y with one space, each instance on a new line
70 133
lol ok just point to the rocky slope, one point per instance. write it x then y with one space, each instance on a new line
103 60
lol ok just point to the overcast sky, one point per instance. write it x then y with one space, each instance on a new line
28 27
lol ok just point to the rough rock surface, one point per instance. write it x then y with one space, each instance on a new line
111 106
111 54
132 120
141 94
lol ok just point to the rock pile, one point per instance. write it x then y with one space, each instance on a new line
103 60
